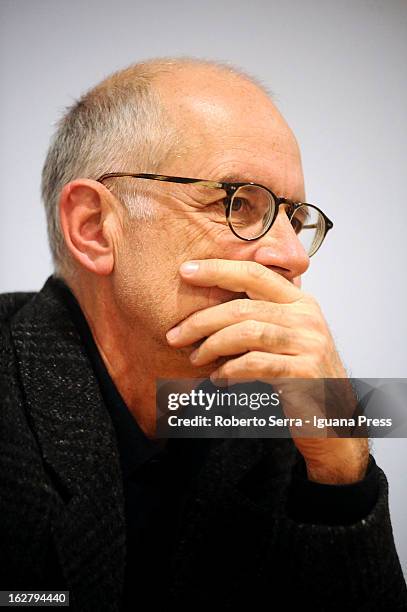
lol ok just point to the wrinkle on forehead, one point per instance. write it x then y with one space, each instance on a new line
211 104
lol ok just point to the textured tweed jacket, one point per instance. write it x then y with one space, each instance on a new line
61 497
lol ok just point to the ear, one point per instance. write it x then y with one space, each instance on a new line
86 215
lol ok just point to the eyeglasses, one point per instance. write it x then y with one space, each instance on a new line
251 209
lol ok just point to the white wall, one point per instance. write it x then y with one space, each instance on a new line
338 73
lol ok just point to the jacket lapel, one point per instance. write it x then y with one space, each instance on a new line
77 442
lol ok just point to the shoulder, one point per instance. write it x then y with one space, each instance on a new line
16 438
11 303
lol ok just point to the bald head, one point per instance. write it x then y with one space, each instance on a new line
220 110
153 116
207 96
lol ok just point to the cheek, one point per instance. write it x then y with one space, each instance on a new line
135 282
147 284
148 289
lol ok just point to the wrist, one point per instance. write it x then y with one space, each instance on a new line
346 464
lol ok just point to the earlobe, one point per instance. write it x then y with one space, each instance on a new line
84 210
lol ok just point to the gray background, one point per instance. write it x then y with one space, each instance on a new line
337 71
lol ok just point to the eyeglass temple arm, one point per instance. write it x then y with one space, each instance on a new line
164 178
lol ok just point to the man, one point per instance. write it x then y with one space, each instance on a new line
160 277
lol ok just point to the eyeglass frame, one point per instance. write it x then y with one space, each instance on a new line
230 189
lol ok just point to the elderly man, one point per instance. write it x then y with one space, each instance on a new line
172 194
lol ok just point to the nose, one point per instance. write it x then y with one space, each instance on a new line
281 250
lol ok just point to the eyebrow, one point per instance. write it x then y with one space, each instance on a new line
241 178
235 178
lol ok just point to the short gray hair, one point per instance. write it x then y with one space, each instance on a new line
119 125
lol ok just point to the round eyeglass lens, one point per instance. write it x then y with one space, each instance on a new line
309 224
251 212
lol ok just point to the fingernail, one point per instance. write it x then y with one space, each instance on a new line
190 267
194 355
218 382
173 333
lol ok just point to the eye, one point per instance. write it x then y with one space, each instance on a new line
237 204
299 218
297 224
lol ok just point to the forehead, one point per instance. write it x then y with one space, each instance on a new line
231 129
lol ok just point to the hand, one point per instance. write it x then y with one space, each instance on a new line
278 332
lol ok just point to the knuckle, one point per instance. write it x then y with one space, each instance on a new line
256 363
309 321
215 265
194 320
252 329
218 265
282 314
308 316
284 338
242 308
315 345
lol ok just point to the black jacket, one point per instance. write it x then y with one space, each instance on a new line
61 497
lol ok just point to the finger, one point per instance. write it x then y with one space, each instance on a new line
258 281
255 366
246 336
207 321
